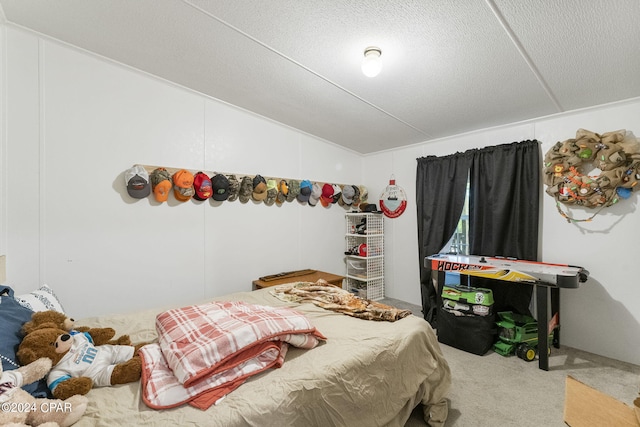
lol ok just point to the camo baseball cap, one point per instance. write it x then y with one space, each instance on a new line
246 188
272 192
234 188
294 190
160 184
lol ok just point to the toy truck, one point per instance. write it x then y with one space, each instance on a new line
517 334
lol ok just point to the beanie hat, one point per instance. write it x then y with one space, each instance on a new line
160 184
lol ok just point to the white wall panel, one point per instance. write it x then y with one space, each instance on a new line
102 245
23 169
80 122
602 316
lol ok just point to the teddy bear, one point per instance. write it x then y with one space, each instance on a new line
19 408
56 319
79 365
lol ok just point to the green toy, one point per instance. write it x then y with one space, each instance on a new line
478 301
517 333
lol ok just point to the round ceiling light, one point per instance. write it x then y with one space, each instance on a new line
372 64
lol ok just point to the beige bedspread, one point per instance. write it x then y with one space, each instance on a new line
366 374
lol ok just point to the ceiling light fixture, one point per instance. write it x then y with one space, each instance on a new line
371 64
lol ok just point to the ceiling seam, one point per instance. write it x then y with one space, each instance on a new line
523 53
293 61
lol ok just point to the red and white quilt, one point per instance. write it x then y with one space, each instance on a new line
206 351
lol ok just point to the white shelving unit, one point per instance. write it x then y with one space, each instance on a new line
365 264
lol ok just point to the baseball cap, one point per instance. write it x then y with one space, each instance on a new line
272 192
283 191
316 192
259 188
294 190
364 194
201 186
356 196
305 191
246 187
220 186
337 193
369 207
183 185
136 179
347 196
160 184
327 195
234 188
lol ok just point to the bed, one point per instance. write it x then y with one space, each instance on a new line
366 373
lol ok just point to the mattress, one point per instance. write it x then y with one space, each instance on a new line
367 373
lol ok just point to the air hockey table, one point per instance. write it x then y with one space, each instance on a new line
547 279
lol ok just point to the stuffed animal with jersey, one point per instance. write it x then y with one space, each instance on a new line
56 319
78 364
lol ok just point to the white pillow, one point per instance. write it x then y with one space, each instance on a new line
42 299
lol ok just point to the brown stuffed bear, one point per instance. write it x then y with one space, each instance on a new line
78 365
19 408
55 319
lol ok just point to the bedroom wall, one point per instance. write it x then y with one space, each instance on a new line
75 122
602 316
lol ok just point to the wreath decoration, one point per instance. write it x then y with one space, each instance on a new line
567 164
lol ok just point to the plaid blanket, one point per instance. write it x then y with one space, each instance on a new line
206 351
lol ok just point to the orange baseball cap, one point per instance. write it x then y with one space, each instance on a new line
161 184
183 185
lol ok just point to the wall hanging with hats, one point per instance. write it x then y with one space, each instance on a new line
613 156
162 182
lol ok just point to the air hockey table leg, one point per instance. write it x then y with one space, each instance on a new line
542 296
555 311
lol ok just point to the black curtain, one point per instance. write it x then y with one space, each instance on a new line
503 209
503 214
441 184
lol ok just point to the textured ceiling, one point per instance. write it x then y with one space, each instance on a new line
449 66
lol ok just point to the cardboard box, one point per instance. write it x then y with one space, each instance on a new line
586 407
